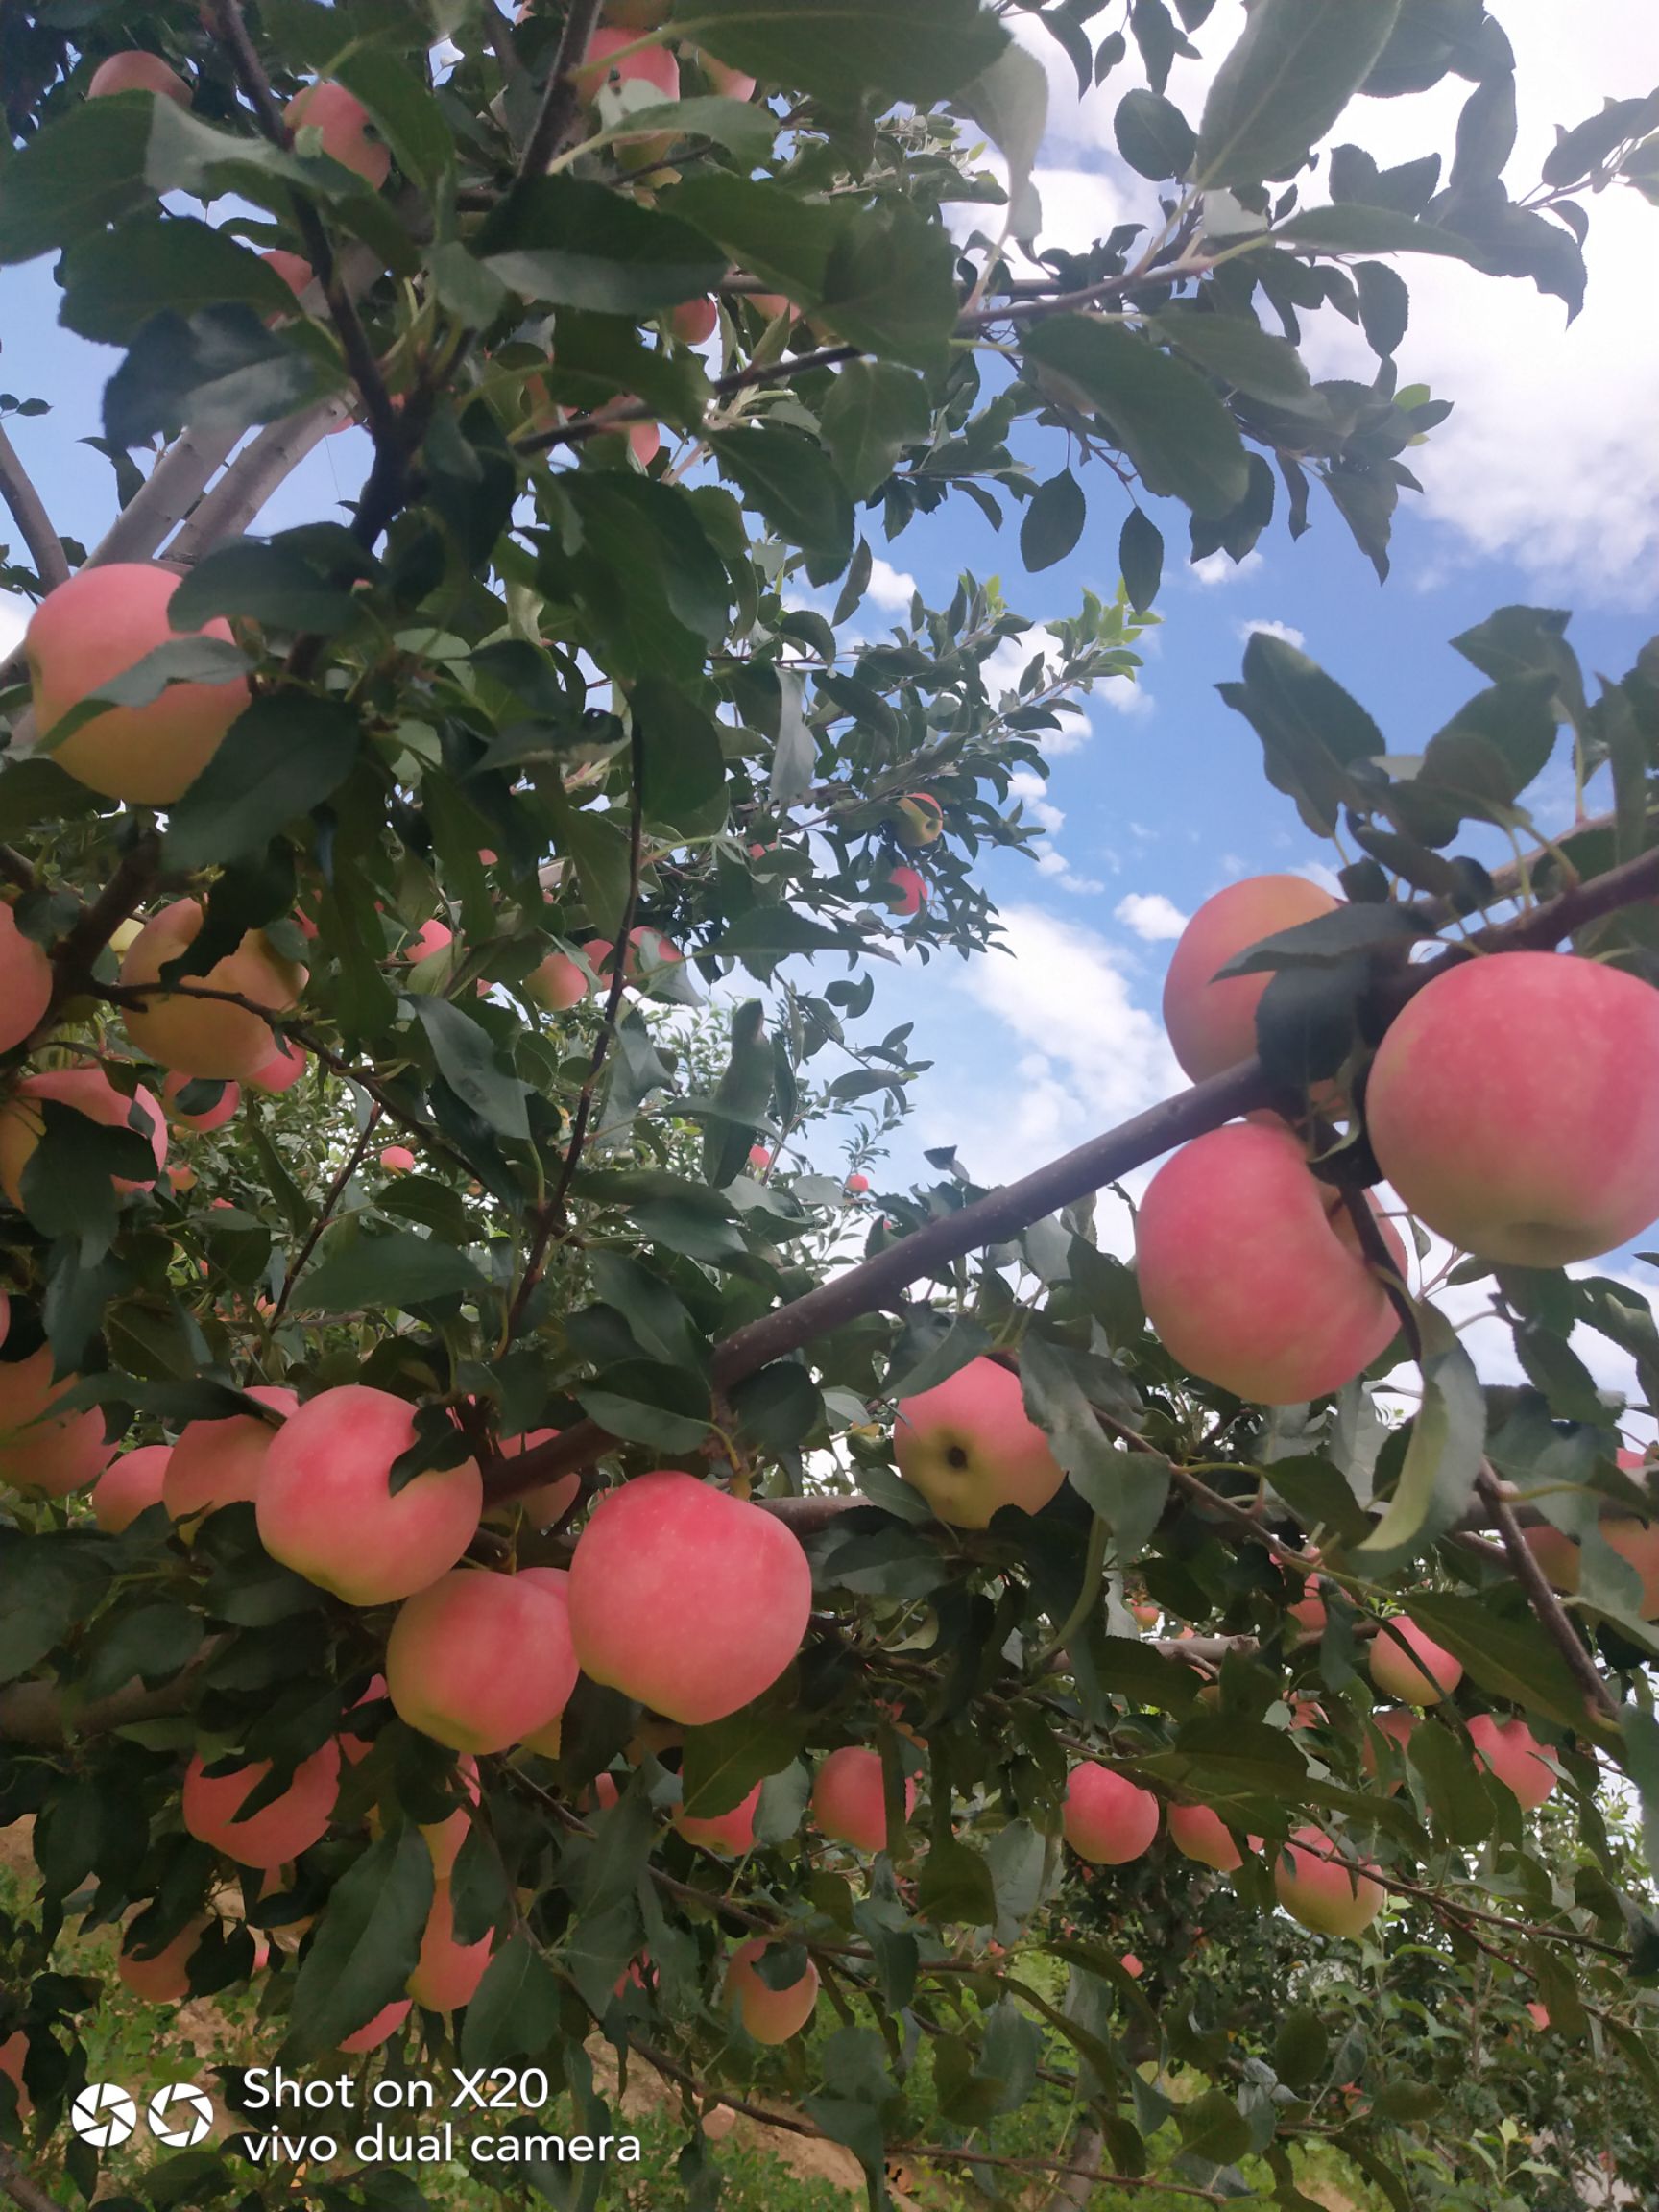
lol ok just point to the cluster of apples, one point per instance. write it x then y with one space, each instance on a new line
1513 1105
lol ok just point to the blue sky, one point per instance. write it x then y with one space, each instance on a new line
1544 486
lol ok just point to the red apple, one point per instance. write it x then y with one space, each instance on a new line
137 71
479 1661
850 1798
1513 1755
207 1037
129 1486
1211 1026
1108 1820
1317 1888
770 2015
1406 1663
218 1464
348 136
290 1824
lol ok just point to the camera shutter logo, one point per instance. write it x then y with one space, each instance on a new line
181 2115
102 2114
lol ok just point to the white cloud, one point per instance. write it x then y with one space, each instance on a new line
890 586
1288 631
1126 695
1222 568
1153 918
1059 870
1032 793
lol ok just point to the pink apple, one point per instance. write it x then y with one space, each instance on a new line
1108 1820
969 1447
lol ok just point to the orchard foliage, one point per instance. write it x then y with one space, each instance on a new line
651 360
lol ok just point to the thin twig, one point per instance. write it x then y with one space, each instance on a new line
325 1213
1552 1614
561 99
29 512
120 898
551 1217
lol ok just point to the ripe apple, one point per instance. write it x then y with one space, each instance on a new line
556 984
637 14
732 1832
218 1464
129 1486
380 2029
348 136
137 71
1199 1832
652 66
282 1071
1514 1105
648 951
90 1092
479 1660
446 1974
327 1509
770 2015
207 1037
850 1798
98 624
290 1824
428 941
727 83
213 1116
694 322
1513 1755
1538 2014
42 1452
298 276
1108 1820
969 1447
902 892
25 982
1211 1026
1308 1612
686 1598
164 1978
1406 1663
1321 1891
1247 1275
857 1186
445 1838
398 1159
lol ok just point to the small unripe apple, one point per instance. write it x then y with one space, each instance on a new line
206 1037
1513 1755
969 1447
327 1507
1514 1106
95 627
129 1486
90 1092
1108 1820
165 1978
348 136
850 1798
1249 1277
918 820
479 1660
218 1464
213 1116
380 2029
686 1598
47 1455
1199 1832
25 982
1321 1891
1211 1026
137 71
732 1832
446 1974
290 1824
770 2015
1405 1663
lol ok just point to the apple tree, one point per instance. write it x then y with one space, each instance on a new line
508 1546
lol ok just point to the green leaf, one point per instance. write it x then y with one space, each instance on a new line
68 1181
85 170
371 1272
1140 558
464 285
407 115
874 410
469 1063
219 368
683 779
1301 2048
1242 354
1168 420
644 1401
1311 730
1496 743
1053 522
1153 136
774 234
723 1761
744 1095
580 245
1354 229
779 1406
1329 939
1296 66
955 1885
117 279
1127 1489
1458 1802
1010 102
743 127
365 1946
515 2010
48 1584
598 847
890 286
283 755
267 581
1213 2128
1508 1659
1443 1459
841 49
788 478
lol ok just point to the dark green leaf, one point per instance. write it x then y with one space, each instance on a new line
779 1406
366 1945
271 582
1509 1659
1213 2128
1153 136
647 1403
1494 745
221 368
1140 558
1175 430
1127 1489
789 479
469 1063
285 754
1359 229
580 245
514 2013
725 1760
1331 938
1448 1436
83 171
840 49
1296 66
1242 354
955 1885
1053 522
371 1272
874 412
683 782
117 279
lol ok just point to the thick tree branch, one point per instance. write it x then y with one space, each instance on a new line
561 99
29 512
231 508
120 898
172 490
23 2191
